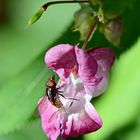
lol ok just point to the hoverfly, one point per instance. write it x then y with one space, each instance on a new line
53 94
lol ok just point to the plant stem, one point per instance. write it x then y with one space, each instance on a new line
45 6
95 22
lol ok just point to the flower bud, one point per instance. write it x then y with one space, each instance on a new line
83 21
113 31
36 16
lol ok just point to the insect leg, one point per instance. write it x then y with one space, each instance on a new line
68 97
71 104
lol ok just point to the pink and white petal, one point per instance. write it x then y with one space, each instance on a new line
79 121
50 123
86 122
61 59
105 58
93 113
95 91
87 67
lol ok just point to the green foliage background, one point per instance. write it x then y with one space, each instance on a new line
23 73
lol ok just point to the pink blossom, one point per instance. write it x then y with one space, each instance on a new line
83 75
93 66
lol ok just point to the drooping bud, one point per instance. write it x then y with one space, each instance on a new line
36 16
113 31
83 20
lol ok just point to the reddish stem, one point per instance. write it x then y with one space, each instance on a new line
95 22
45 6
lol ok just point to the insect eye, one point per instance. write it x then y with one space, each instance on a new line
52 78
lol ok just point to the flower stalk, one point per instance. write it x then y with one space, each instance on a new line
45 6
94 25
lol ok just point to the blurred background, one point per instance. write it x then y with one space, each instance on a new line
23 73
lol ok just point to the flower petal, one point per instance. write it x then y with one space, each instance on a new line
61 59
87 121
79 116
77 124
83 75
82 117
50 123
87 67
93 65
105 58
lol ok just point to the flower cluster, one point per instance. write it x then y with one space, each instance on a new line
83 75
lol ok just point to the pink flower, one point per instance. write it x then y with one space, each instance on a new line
83 75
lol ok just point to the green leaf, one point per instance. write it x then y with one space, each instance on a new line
132 134
131 24
31 131
18 98
111 5
128 132
119 106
